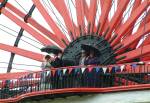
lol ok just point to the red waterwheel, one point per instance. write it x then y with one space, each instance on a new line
119 27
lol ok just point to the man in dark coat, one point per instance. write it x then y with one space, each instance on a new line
57 60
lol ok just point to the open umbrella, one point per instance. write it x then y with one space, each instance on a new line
51 49
89 47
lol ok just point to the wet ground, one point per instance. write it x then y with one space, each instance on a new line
118 97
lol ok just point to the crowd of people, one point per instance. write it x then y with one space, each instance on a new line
86 58
49 62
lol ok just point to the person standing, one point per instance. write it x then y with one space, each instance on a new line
57 62
46 64
92 59
83 58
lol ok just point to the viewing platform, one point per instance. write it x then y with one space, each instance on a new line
74 80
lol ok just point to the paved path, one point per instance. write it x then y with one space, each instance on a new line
118 97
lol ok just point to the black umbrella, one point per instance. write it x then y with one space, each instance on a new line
89 47
51 49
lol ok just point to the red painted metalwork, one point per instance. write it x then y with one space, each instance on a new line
142 24
28 28
39 27
135 6
92 14
146 41
7 76
117 16
130 86
124 81
145 58
62 8
135 53
79 90
49 20
22 52
105 11
80 13
125 37
86 9
129 23
135 37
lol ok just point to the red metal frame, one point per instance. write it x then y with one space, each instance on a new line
142 24
39 27
92 14
135 6
26 27
22 52
62 8
117 16
135 37
105 11
78 90
80 12
130 41
7 76
49 20
128 69
129 23
134 54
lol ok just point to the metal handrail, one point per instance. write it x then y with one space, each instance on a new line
77 79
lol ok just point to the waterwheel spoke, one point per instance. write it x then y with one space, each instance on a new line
105 11
134 54
135 37
146 41
135 6
146 20
26 27
145 57
22 52
55 38
80 11
62 8
129 23
49 20
92 14
86 9
117 16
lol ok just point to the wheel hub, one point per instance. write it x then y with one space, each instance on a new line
73 51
